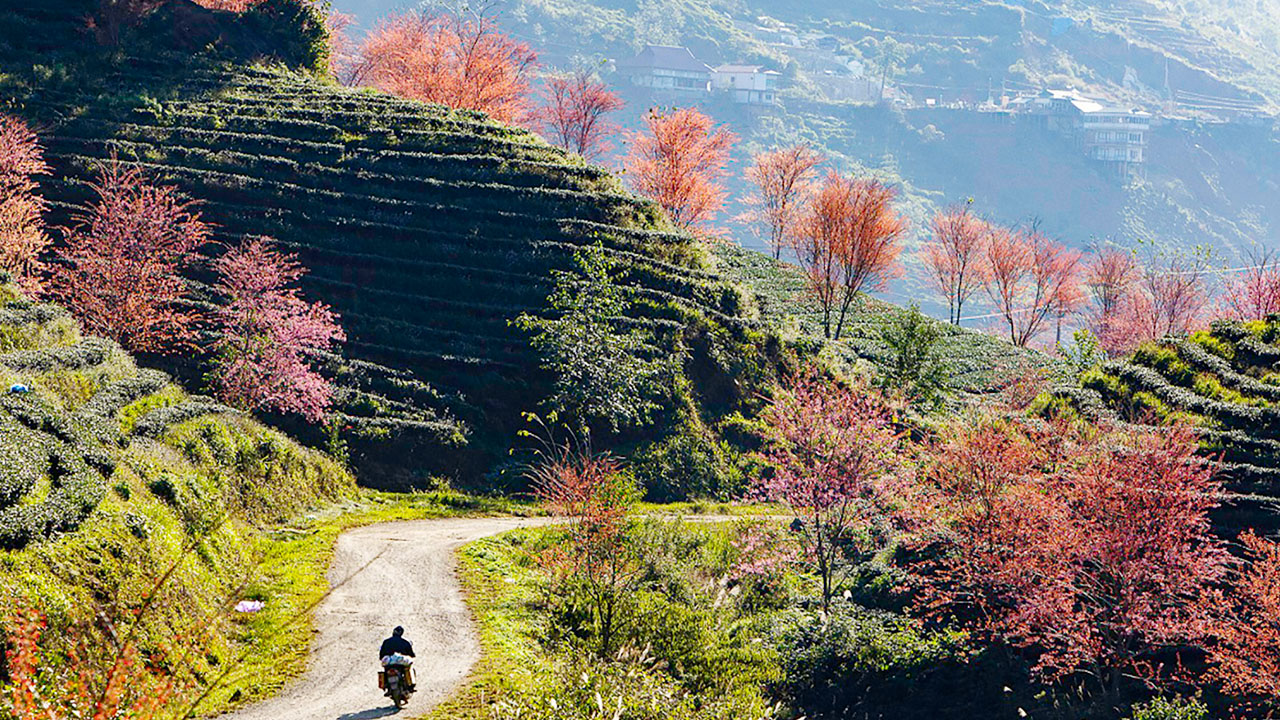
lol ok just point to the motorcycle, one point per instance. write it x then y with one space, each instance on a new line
397 678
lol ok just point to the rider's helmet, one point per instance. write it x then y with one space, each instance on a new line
398 631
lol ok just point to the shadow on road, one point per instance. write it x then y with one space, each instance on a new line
371 713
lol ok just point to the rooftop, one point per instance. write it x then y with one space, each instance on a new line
666 57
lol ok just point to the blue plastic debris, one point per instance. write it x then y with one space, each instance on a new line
18 389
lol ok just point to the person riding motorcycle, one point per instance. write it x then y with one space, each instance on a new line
393 646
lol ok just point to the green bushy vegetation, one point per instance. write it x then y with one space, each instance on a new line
699 640
93 509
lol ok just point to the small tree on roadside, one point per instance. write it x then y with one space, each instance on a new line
119 272
847 243
575 115
679 161
831 452
955 257
914 367
782 181
594 494
607 375
22 235
1254 293
268 334
1109 277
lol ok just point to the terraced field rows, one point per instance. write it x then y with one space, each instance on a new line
67 405
428 230
1227 380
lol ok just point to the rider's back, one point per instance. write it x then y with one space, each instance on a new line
395 645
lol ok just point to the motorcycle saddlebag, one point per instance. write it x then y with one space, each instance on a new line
382 680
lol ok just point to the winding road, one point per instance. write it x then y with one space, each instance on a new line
400 573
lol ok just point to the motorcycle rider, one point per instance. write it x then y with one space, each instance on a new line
395 645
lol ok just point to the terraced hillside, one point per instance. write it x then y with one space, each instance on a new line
70 404
978 364
111 476
428 230
1227 380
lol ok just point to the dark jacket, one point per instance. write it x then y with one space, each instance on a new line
393 645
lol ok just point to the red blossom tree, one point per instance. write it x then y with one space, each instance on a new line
783 180
832 451
848 243
1099 555
1029 277
119 272
593 493
1109 277
1167 298
679 163
462 62
343 54
1254 293
575 114
22 234
269 334
955 258
1246 655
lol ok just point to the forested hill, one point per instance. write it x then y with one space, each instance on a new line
427 230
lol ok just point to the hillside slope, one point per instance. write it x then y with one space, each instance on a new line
112 478
427 230
1225 381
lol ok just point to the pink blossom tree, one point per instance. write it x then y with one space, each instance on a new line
22 235
832 451
120 270
269 334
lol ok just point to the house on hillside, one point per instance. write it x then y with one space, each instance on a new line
668 70
746 84
1110 135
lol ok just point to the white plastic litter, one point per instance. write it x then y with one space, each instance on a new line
249 606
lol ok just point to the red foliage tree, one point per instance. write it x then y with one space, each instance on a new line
957 264
782 179
593 493
832 451
120 270
847 243
461 62
343 54
1099 554
1254 293
575 114
1029 277
1168 298
679 162
1109 278
1246 655
268 334
22 235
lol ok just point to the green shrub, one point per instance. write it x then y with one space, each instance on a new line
686 465
834 663
1175 708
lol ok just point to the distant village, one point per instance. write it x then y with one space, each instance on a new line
1115 137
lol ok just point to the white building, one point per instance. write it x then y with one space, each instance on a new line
746 84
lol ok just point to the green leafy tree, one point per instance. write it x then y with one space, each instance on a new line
1085 352
607 375
914 365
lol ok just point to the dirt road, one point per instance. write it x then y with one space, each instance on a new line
407 579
